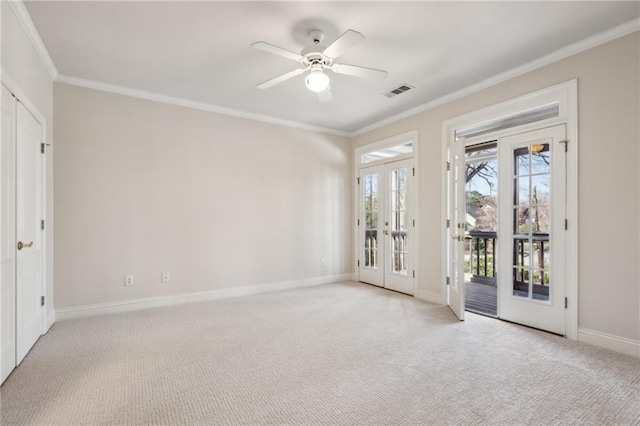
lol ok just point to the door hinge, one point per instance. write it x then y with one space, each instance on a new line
41 300
414 274
448 166
566 303
566 224
566 145
358 222
42 224
448 223
358 263
448 280
413 171
358 180
414 223
42 148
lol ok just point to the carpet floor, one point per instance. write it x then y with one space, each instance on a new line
344 353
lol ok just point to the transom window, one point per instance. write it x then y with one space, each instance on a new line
387 153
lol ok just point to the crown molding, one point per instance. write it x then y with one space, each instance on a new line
141 94
21 13
565 52
18 8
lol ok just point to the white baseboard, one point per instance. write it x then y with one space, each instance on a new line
51 318
224 293
610 341
429 296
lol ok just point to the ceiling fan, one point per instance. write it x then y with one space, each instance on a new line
317 59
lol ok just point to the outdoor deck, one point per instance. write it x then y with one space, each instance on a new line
481 299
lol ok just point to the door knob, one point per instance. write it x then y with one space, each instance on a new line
21 245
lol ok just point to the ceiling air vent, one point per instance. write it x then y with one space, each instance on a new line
398 90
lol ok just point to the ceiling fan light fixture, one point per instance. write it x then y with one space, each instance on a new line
317 81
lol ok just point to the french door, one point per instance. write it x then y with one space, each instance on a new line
386 226
531 237
531 230
457 225
29 232
22 249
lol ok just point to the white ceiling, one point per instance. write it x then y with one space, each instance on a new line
200 51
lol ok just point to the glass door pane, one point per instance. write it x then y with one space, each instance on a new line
398 225
531 221
371 221
371 211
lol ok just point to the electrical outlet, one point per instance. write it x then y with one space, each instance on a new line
166 277
323 263
128 280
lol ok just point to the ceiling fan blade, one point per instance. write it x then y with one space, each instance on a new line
362 72
277 50
325 95
281 78
346 41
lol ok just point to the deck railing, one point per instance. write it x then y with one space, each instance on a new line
482 249
521 255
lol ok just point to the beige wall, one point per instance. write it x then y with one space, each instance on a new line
23 65
609 191
143 187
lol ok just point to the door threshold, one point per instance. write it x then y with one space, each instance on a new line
484 314
532 328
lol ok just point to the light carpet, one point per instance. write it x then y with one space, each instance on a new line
343 353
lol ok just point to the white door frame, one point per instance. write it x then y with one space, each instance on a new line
13 87
566 96
357 165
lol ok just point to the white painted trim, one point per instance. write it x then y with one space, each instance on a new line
429 296
389 142
18 8
51 318
573 196
223 293
610 341
141 94
562 53
444 215
22 96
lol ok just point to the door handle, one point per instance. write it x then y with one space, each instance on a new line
22 245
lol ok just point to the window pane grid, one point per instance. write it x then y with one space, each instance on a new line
398 216
371 221
531 221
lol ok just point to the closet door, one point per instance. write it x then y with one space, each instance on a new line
29 233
